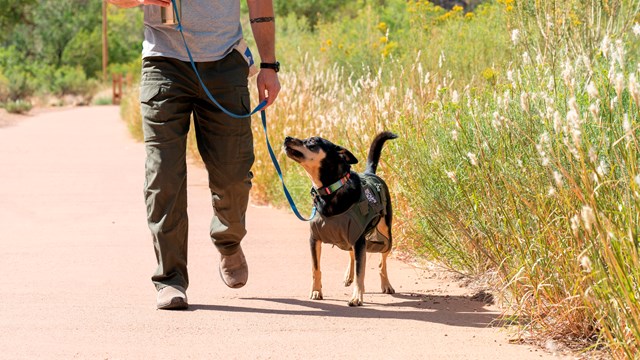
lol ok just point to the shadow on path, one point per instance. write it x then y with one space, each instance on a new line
448 310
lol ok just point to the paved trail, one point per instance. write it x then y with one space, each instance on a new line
76 259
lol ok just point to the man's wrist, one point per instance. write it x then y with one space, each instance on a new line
270 65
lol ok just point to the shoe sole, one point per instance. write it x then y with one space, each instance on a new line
177 303
235 286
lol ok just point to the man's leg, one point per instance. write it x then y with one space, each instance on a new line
166 109
226 146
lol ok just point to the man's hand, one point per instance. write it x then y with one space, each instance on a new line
268 85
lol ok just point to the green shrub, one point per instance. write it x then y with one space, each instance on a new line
104 100
18 107
71 80
4 87
80 52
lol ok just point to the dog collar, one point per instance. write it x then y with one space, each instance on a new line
333 187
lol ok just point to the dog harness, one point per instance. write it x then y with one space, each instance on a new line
343 230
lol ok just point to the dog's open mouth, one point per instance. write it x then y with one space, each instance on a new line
289 148
293 153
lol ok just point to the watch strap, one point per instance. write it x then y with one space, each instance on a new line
274 66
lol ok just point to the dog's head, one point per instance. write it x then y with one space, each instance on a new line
324 161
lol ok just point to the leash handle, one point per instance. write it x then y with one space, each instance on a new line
263 115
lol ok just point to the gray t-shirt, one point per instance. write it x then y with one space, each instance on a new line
211 28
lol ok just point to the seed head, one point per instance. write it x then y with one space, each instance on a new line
634 90
472 158
619 83
515 36
452 176
585 263
558 179
592 90
588 217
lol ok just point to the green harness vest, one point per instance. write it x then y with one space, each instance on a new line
345 229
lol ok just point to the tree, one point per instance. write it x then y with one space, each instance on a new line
13 13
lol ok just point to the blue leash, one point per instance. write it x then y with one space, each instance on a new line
263 115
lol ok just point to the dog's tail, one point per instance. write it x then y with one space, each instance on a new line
376 149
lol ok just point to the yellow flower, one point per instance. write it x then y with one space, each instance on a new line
468 16
389 48
384 39
490 75
382 26
444 17
329 42
575 20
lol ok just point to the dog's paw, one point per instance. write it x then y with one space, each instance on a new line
387 289
316 295
356 297
348 281
355 302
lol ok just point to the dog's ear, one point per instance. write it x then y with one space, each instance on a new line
346 155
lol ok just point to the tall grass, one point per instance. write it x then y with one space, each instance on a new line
519 159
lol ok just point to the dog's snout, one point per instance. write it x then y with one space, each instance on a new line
288 139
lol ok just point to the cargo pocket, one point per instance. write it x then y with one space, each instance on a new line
148 92
154 93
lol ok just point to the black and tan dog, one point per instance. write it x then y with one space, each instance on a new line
353 210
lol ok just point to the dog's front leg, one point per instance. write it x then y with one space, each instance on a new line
348 275
316 286
360 255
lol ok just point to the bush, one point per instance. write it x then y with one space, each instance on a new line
18 107
4 87
69 80
81 52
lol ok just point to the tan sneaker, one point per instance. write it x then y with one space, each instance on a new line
172 297
233 269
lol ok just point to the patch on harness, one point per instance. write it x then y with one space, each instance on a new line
372 199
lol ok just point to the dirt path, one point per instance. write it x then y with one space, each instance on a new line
76 258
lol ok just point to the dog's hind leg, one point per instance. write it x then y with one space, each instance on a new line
360 255
316 286
384 278
384 227
348 275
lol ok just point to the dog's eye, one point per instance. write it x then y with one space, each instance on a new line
312 146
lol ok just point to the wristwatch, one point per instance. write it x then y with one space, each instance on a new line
275 66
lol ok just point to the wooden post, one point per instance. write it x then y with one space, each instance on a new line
116 88
105 45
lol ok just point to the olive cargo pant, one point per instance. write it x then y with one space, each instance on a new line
169 94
